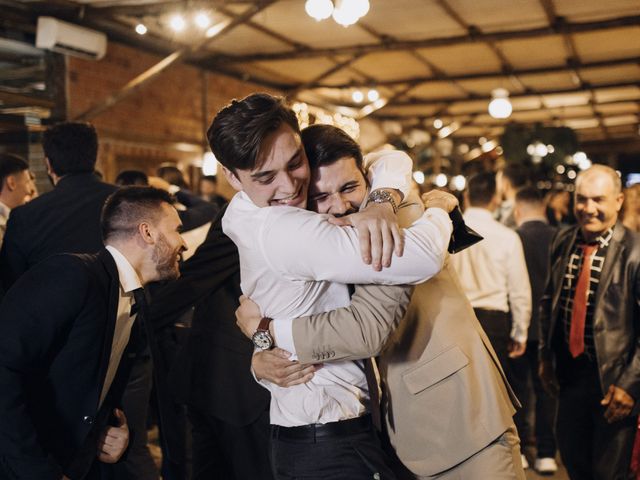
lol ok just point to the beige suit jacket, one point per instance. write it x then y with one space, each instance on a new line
445 394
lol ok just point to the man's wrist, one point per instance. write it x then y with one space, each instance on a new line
386 195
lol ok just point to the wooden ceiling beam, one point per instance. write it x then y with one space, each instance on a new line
559 28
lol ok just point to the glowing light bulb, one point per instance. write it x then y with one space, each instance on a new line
141 29
177 23
319 9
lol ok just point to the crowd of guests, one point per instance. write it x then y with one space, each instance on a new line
371 351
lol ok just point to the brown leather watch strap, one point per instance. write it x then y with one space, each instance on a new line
263 326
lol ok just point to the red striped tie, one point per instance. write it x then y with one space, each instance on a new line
579 312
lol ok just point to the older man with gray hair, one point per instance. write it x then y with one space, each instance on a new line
590 320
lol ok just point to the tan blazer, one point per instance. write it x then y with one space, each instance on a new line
445 394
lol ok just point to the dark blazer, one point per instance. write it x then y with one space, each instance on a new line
66 219
198 211
212 372
536 239
616 315
56 330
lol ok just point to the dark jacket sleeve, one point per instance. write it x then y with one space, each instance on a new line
214 262
546 302
13 261
198 211
36 316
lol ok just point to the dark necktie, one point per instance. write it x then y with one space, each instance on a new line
579 311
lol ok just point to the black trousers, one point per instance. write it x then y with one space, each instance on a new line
225 451
497 326
591 448
138 463
524 375
357 456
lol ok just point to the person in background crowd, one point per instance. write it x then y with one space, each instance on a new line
589 317
508 181
208 190
66 219
132 177
536 235
631 208
559 212
65 346
493 274
16 187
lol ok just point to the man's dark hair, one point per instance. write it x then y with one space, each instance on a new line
9 165
172 174
238 131
210 178
530 195
326 144
71 147
517 175
128 206
482 188
132 177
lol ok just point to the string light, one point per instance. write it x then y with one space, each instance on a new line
177 23
500 106
141 29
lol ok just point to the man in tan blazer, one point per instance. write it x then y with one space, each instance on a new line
448 407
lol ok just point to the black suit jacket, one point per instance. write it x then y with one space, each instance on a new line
56 330
616 316
536 239
212 372
66 219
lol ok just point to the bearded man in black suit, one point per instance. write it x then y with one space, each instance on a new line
67 329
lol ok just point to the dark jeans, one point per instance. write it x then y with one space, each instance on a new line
229 452
347 457
523 370
591 448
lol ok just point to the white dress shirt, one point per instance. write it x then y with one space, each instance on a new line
493 273
129 281
4 216
295 263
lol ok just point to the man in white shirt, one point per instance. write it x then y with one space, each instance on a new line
65 330
288 259
447 406
16 186
493 273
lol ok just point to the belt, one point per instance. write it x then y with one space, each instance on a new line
319 432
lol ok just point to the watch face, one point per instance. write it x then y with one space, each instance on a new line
262 340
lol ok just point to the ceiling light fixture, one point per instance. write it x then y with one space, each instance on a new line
202 20
373 95
141 29
357 96
177 23
319 9
500 106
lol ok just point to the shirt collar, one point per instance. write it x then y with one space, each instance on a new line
129 280
602 240
4 209
478 213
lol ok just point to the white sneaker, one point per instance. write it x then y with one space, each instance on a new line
525 463
545 466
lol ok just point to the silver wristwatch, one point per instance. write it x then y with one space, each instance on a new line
262 339
382 196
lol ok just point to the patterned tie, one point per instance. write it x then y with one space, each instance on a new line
579 311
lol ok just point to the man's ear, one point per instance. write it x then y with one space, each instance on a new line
10 182
146 233
232 179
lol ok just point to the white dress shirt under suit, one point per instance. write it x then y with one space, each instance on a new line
493 273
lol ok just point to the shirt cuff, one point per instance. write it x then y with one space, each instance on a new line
441 219
283 335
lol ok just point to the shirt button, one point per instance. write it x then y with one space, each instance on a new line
88 420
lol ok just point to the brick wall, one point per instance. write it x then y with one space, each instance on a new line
162 121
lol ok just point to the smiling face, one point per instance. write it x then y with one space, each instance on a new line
169 244
597 203
338 188
282 178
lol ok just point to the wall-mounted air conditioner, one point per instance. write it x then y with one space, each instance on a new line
70 39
